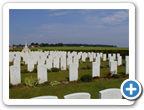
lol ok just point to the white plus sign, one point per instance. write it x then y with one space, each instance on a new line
131 89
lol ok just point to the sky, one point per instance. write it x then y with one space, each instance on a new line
68 26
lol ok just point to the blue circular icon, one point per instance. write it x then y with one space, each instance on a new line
130 89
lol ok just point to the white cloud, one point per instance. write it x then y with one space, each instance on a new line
60 13
116 17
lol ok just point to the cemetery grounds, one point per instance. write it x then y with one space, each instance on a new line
21 91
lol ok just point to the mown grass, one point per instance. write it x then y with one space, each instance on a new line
64 75
91 87
81 48
77 48
60 90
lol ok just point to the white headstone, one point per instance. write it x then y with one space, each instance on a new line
110 94
98 54
119 60
94 55
63 63
110 60
113 67
114 56
91 57
11 57
45 97
49 63
56 62
101 55
73 72
95 69
78 96
118 54
42 73
83 58
41 61
76 61
97 59
30 66
104 57
17 62
43 56
15 76
126 64
109 55
69 61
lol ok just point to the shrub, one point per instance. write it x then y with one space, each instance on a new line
108 75
54 83
46 83
102 66
116 75
48 70
65 82
86 78
20 84
79 81
30 81
10 85
55 69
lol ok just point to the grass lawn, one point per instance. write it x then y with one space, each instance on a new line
81 48
63 75
77 48
91 87
60 90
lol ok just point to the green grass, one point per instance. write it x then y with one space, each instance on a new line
63 75
77 48
91 87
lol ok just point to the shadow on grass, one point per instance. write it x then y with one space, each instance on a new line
123 73
67 78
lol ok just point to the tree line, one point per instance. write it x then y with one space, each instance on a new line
66 45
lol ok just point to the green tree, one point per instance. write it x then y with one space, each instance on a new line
32 43
51 45
46 44
36 44
14 45
42 44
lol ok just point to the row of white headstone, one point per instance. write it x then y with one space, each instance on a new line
58 54
53 60
112 93
15 76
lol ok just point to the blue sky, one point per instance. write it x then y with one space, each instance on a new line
85 26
